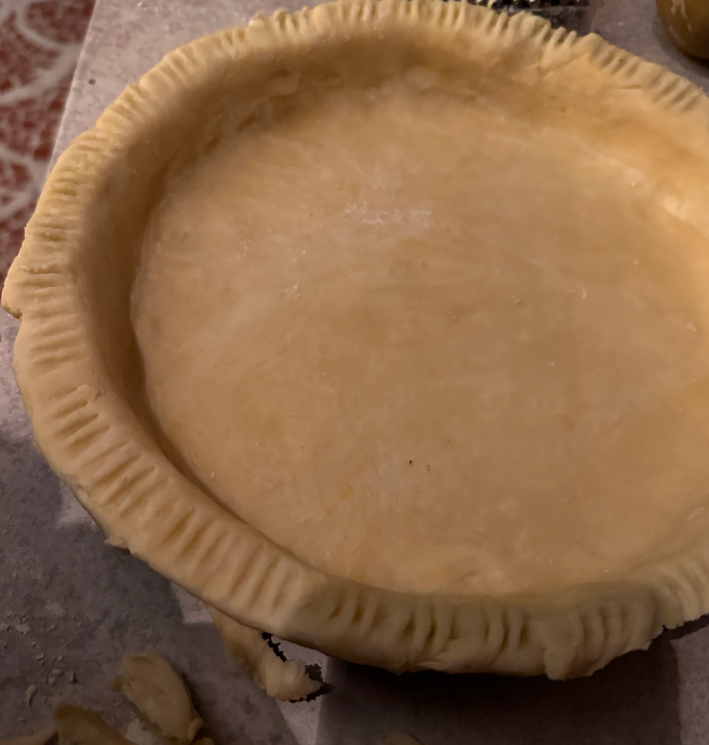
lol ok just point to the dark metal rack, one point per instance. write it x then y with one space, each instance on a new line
568 13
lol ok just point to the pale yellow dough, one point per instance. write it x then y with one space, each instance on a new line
77 726
160 694
286 680
383 327
426 345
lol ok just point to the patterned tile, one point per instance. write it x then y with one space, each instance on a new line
39 46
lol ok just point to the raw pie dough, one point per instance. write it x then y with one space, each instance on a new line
383 327
156 690
77 726
424 344
286 680
160 695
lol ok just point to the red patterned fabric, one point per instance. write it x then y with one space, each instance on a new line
39 46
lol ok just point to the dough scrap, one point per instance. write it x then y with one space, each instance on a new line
77 726
40 738
160 695
284 680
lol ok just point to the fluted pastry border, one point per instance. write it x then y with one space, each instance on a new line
93 438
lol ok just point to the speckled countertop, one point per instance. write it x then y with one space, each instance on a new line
70 606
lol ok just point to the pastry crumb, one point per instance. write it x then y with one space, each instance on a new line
282 679
160 695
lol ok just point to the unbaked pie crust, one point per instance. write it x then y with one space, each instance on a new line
382 327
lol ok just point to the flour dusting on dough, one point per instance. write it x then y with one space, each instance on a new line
420 218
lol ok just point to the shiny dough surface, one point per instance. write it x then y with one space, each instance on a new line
424 345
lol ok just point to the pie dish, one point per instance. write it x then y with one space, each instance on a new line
381 326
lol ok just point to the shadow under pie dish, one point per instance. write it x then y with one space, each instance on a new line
382 327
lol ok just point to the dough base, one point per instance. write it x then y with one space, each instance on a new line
426 345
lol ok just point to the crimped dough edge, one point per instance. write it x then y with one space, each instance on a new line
96 438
